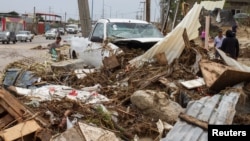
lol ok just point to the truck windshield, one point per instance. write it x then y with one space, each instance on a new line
132 30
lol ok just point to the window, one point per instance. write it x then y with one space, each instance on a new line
98 34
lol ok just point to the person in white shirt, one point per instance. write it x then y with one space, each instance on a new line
218 42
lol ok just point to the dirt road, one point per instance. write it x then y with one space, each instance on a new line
13 52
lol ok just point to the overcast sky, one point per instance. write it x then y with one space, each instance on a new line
113 8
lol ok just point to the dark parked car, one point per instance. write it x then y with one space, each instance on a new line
7 37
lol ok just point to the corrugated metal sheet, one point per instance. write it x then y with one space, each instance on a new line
173 43
210 5
218 110
233 63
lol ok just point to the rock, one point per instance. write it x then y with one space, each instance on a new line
156 105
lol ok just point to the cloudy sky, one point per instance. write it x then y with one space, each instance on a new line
113 8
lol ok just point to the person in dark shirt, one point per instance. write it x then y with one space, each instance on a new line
230 45
234 29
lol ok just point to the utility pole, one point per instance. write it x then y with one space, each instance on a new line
65 17
85 19
176 12
49 12
102 8
34 15
144 7
34 21
165 17
148 10
92 11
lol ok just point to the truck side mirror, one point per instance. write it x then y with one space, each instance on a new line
96 39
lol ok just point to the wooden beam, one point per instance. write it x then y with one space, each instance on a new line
194 121
16 109
207 32
20 130
11 110
6 120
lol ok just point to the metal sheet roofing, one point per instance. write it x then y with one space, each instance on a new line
232 62
217 110
173 44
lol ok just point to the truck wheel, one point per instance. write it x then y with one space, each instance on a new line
74 55
30 40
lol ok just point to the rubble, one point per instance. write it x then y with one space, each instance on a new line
216 110
156 105
85 132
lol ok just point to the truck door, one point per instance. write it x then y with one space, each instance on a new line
98 33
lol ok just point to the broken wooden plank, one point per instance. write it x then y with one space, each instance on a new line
16 109
67 65
161 58
230 78
154 78
11 110
20 130
110 62
211 71
81 73
218 76
194 121
193 83
1 109
5 120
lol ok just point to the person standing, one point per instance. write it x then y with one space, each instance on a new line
234 29
203 35
218 42
230 45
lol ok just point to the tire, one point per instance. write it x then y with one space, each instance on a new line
74 55
14 42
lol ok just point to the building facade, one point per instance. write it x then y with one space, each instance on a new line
237 6
11 22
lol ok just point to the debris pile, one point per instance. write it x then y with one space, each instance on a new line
123 113
180 87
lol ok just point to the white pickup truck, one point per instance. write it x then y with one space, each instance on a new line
72 29
24 36
108 34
